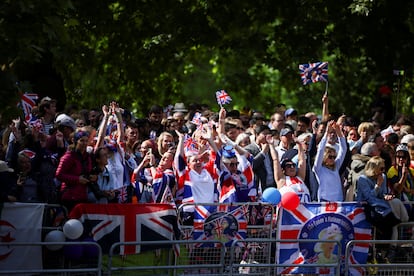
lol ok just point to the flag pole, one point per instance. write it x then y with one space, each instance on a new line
398 97
326 88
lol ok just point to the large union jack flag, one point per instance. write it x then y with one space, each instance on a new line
223 223
111 223
339 221
313 72
222 97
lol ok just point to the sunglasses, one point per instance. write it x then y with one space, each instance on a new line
331 156
233 164
401 156
287 166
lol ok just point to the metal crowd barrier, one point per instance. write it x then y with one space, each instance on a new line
63 266
253 267
212 258
194 258
253 255
399 266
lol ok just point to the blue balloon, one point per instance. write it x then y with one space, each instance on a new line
271 195
89 250
73 251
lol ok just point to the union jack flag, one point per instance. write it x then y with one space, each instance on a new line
111 223
190 145
196 119
313 72
123 194
36 124
222 97
335 221
27 102
223 223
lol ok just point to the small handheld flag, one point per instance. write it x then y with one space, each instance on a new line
27 102
190 146
222 97
196 119
313 72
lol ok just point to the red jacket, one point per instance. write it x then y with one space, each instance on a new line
71 166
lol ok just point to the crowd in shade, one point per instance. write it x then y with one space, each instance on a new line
181 155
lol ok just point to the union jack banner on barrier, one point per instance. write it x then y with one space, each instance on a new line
337 221
111 223
222 223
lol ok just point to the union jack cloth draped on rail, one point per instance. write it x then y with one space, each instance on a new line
222 97
223 223
313 72
332 221
111 223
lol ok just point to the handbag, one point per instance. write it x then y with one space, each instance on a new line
375 216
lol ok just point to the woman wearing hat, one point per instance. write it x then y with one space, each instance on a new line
401 176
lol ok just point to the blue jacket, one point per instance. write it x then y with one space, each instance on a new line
366 192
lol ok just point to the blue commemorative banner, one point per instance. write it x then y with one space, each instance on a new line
325 221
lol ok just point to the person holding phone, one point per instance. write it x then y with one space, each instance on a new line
388 209
401 178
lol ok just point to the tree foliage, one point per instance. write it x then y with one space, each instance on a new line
144 52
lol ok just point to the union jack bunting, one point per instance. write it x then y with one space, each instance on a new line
325 221
27 102
222 97
222 223
313 72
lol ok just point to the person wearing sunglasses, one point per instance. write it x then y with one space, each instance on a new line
236 183
327 163
401 177
287 175
390 211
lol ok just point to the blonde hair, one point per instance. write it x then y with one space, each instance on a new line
366 126
328 149
373 165
160 139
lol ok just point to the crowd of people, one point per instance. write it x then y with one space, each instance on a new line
195 155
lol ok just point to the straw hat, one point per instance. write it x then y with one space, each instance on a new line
179 107
4 167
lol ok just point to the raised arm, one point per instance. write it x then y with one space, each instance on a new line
207 134
222 121
102 127
278 174
325 107
119 122
301 161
